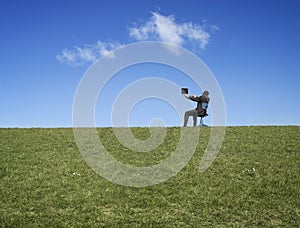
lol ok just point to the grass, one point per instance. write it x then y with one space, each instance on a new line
253 182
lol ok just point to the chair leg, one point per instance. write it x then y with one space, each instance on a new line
201 122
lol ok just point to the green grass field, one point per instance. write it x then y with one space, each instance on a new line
253 182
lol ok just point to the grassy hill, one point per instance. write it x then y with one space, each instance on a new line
253 182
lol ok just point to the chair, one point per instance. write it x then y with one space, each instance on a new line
204 114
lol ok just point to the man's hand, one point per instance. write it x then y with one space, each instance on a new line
187 96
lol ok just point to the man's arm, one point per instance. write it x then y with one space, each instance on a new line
194 98
187 96
190 96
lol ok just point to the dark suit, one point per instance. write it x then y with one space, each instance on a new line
195 112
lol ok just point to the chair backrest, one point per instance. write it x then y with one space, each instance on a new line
204 106
204 110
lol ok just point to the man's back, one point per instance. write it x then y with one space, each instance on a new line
200 100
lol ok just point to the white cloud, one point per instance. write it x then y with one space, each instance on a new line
106 48
157 28
165 29
67 56
87 53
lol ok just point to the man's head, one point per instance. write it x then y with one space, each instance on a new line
206 93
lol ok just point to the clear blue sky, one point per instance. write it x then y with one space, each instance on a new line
252 48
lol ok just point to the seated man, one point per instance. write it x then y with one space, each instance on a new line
198 111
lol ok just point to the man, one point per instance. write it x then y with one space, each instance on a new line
198 111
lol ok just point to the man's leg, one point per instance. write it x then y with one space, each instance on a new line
195 115
188 114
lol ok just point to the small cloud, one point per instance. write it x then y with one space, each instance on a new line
87 53
106 49
165 29
214 28
66 56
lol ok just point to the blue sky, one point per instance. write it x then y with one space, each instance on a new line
252 48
